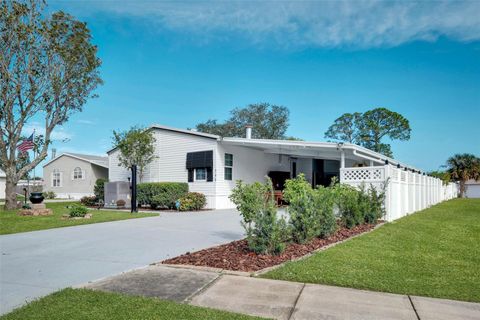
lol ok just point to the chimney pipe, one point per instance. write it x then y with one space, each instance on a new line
54 153
248 133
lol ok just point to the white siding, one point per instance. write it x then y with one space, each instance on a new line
2 187
472 190
171 149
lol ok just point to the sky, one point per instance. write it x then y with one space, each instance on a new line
181 63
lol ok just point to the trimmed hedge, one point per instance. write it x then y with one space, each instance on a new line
192 201
160 194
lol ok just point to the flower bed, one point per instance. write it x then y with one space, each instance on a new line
236 255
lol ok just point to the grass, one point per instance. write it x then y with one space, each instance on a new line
10 222
435 253
76 304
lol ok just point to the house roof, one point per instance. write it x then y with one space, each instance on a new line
192 132
313 148
472 181
96 160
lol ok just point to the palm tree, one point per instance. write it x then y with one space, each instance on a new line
463 167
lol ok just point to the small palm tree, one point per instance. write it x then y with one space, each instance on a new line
463 167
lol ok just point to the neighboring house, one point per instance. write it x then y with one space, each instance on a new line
472 189
73 175
3 180
211 164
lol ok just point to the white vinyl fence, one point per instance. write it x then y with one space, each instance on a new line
406 191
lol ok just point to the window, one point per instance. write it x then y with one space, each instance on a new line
228 166
200 174
77 173
56 178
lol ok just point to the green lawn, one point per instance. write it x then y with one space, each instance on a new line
435 252
10 222
75 304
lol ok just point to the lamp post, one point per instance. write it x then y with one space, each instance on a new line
133 188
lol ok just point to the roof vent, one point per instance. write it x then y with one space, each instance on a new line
248 132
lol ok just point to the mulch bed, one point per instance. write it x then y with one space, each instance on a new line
235 255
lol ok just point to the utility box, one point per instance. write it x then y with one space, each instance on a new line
114 191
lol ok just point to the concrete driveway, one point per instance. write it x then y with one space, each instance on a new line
37 263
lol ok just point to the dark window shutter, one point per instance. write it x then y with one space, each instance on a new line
209 174
190 175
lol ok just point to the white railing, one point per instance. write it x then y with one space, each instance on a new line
406 191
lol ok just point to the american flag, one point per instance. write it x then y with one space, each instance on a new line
26 144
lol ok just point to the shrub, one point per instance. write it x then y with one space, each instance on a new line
192 201
324 202
375 198
99 189
161 194
88 201
77 210
121 203
303 220
246 198
347 203
266 232
49 195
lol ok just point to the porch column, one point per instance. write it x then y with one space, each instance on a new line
342 159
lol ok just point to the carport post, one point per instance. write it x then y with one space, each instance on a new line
133 188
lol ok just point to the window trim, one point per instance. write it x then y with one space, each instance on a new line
227 166
54 172
75 174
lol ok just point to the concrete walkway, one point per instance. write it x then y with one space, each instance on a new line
33 264
280 299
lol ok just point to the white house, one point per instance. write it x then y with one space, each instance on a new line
3 179
73 175
472 189
211 164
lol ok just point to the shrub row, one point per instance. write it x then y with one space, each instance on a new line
161 194
311 211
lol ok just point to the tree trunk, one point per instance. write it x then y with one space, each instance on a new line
462 188
10 194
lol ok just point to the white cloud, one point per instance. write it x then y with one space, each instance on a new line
58 134
304 23
84 121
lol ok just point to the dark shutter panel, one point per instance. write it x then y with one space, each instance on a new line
190 175
209 174
201 159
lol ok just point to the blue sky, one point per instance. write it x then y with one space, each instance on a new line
185 62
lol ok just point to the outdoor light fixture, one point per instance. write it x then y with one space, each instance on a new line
398 166
386 161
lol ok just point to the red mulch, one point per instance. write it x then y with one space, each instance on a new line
236 256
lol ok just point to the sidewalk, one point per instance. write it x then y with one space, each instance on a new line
279 299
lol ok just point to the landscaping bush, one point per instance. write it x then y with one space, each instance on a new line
161 194
373 203
192 201
88 201
266 232
121 203
310 210
304 222
99 189
77 210
324 202
347 203
49 195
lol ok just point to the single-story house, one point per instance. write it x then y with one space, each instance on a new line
3 180
211 164
472 189
73 175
